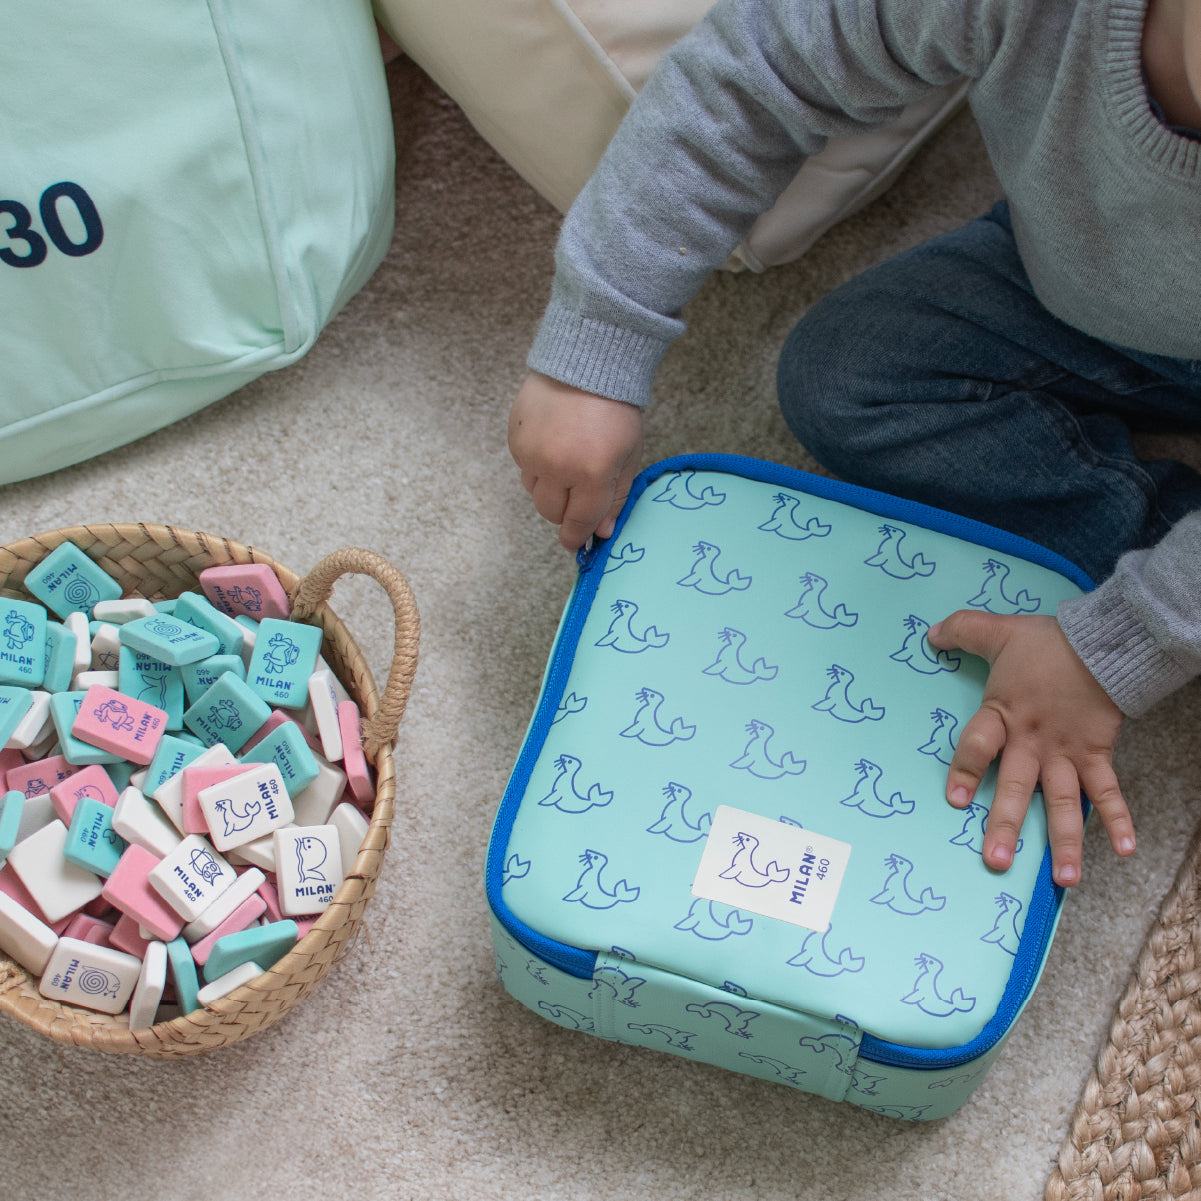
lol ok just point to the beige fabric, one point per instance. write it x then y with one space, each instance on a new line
547 82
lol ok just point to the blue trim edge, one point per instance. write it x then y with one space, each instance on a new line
1047 899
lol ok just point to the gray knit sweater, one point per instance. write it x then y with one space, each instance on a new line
1105 202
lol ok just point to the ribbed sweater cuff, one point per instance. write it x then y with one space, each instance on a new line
596 356
1119 651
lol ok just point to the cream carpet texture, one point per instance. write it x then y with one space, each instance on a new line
410 1073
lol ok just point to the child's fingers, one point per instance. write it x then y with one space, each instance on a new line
1100 784
978 745
1065 823
1017 778
585 509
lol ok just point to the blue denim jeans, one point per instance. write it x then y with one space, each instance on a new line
938 376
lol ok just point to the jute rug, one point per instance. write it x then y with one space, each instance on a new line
1136 1133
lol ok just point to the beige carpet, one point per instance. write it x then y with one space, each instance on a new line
409 1073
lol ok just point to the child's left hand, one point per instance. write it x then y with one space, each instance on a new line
1050 722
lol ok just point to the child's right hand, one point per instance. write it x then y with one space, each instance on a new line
578 455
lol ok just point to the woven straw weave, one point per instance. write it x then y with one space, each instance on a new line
1136 1134
159 562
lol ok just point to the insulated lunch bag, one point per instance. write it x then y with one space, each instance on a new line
190 191
726 834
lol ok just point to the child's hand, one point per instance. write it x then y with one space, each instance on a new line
1049 720
578 455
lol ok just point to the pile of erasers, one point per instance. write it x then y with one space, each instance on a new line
183 786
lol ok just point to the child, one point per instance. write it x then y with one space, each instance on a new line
996 371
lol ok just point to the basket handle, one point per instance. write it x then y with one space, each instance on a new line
317 587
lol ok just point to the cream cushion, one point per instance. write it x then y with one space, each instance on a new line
546 82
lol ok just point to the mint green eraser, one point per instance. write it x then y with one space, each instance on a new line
60 657
170 758
12 809
15 702
197 611
287 747
22 643
260 944
285 655
229 711
152 682
199 677
64 709
168 639
182 969
67 581
92 843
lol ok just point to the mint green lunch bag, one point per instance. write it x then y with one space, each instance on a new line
190 191
726 835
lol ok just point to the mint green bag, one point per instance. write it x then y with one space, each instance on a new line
726 835
190 192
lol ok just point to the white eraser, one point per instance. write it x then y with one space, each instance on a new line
324 697
260 853
148 992
58 886
140 821
126 608
192 877
23 937
352 828
106 648
36 725
234 978
312 805
77 623
308 868
246 807
91 976
242 889
86 679
38 811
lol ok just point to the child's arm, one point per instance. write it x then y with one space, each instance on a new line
578 455
1049 720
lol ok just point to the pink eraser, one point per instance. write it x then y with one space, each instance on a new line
89 929
193 780
354 762
245 590
91 782
246 914
11 886
278 718
10 757
119 724
102 909
128 888
40 776
127 936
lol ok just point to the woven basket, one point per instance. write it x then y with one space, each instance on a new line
159 562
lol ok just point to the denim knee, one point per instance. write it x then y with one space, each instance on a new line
823 391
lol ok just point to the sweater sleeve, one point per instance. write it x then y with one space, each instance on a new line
1139 633
721 127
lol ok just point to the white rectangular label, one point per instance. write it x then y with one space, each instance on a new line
771 868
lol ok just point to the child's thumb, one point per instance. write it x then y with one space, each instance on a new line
970 630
